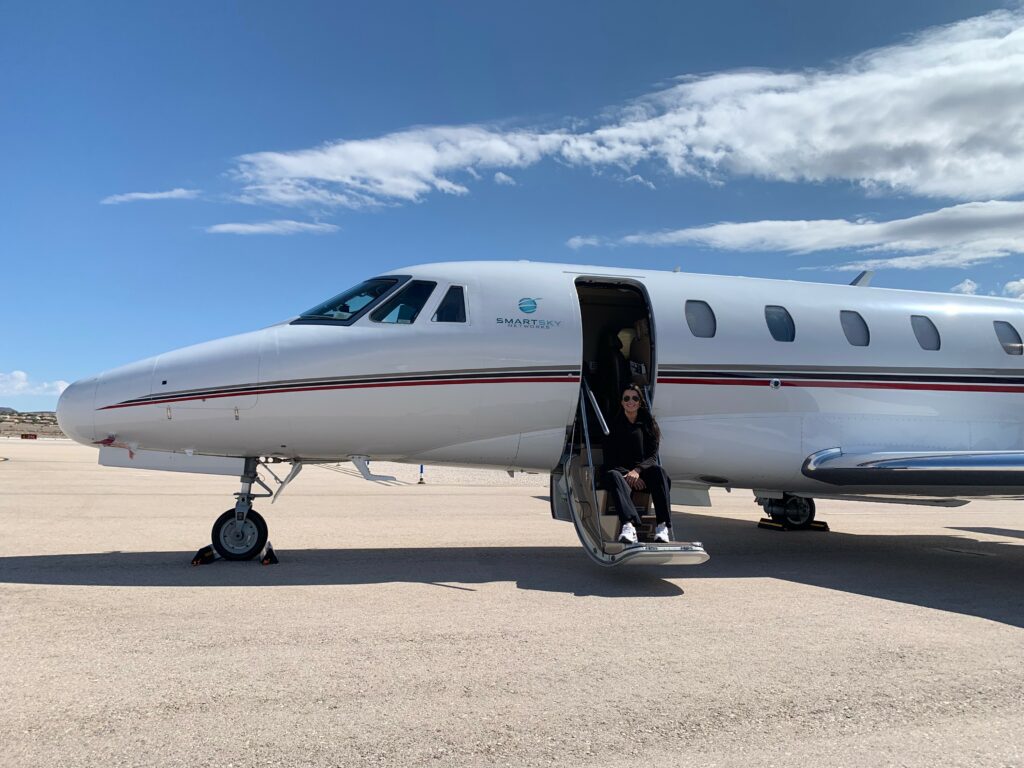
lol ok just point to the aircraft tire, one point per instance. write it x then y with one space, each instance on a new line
234 543
793 512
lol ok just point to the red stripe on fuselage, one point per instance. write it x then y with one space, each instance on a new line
279 390
851 384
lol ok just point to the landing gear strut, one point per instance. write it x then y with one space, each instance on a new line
241 533
794 512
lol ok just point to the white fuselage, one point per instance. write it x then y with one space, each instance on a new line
501 389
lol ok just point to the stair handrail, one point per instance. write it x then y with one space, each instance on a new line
597 409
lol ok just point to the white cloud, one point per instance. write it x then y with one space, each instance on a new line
19 383
1014 289
400 167
131 197
957 236
504 179
295 192
583 242
941 114
279 227
965 286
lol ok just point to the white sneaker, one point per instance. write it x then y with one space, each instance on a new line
628 533
663 533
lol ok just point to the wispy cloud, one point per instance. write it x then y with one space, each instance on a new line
966 286
19 383
504 179
957 236
636 178
171 194
581 241
941 114
397 167
278 227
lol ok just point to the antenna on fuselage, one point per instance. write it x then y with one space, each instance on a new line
864 278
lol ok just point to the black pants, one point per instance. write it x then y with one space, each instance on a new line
656 483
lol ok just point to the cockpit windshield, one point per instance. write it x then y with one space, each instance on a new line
346 307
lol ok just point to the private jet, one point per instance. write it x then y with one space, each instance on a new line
796 391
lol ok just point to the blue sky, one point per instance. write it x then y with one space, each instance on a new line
176 172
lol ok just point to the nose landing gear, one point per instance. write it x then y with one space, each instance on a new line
241 533
239 540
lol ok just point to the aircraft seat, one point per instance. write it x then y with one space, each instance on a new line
613 372
407 313
640 355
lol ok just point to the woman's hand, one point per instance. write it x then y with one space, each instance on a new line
634 481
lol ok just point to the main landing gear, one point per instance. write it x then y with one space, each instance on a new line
789 513
241 533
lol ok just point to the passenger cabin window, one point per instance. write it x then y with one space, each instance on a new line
1008 337
701 319
405 305
926 332
855 328
452 308
346 307
780 323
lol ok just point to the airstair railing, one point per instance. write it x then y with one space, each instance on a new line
597 408
590 464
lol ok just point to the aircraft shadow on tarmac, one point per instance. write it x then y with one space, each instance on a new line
946 573
1008 532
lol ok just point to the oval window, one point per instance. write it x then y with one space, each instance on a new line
926 332
1008 337
855 328
701 319
780 323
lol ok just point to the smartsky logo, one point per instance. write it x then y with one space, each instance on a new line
528 306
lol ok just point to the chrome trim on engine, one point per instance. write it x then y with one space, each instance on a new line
946 468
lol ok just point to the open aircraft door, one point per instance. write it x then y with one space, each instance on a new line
611 310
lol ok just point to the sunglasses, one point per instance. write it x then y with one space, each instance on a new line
629 398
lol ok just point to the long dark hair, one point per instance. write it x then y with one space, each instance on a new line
644 415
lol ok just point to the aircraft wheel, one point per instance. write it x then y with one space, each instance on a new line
793 511
235 541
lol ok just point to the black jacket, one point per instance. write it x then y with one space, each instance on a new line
629 446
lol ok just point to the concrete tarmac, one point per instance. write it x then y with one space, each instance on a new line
456 624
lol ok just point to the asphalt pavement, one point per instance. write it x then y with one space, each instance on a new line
455 624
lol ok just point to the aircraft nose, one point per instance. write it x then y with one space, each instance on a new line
76 409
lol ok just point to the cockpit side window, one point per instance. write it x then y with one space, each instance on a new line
405 306
452 308
347 307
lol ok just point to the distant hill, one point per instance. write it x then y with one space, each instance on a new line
42 423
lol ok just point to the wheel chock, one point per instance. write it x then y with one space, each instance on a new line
205 555
815 525
267 557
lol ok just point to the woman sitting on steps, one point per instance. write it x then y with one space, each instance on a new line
631 464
